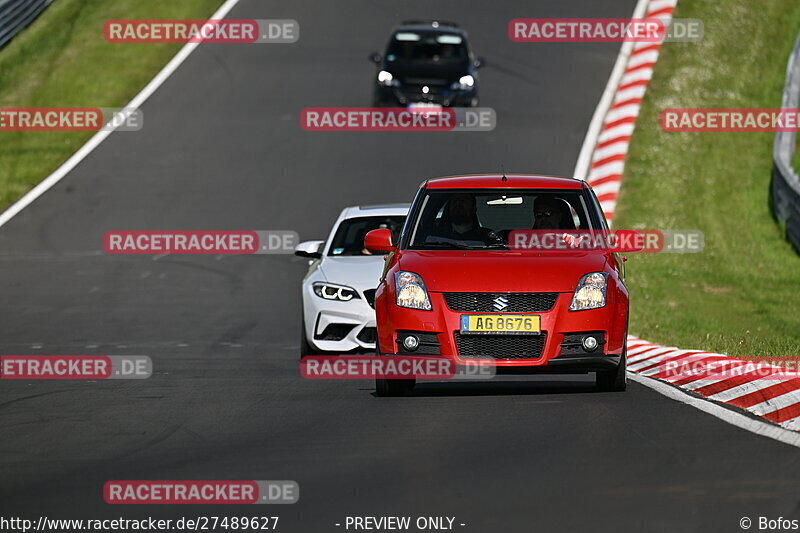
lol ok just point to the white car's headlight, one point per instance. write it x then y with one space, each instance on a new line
385 77
465 82
411 291
590 292
331 291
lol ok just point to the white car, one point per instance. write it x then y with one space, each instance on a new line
339 288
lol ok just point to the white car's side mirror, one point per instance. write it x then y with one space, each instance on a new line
312 249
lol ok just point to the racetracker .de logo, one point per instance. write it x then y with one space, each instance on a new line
608 241
732 120
201 492
586 30
70 119
89 367
200 242
424 118
196 31
392 367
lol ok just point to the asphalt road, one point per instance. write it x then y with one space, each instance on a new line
222 149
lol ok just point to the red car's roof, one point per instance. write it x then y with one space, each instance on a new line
512 181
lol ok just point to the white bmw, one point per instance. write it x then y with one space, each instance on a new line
339 288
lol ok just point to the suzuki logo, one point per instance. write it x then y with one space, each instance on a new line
500 303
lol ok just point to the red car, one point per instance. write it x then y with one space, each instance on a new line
454 286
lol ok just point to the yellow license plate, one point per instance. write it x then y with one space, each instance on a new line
519 324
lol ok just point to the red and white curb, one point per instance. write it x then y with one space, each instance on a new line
769 391
602 158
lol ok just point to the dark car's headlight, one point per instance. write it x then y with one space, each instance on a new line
464 82
385 78
590 292
331 291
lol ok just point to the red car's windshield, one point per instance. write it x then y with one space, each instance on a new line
480 219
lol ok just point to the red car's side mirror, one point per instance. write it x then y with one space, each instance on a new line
379 240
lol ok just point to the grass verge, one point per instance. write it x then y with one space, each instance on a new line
739 296
63 60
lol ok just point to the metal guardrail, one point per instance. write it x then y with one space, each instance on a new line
785 187
16 14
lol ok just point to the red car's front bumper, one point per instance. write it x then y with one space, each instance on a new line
561 331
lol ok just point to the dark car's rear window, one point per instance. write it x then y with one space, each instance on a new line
430 46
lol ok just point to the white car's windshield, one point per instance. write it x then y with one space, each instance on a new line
349 237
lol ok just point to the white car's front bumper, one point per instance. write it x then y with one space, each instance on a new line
338 327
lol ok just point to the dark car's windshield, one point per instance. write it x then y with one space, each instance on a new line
483 219
429 46
349 237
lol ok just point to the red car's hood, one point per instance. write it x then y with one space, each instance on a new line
502 271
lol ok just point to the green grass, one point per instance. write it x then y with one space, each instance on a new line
62 59
740 295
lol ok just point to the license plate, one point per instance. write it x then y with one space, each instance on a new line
424 107
517 324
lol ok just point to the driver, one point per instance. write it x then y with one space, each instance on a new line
460 221
551 213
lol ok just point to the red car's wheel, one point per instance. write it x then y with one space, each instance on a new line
614 380
393 387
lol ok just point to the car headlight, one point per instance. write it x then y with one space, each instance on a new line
590 292
330 291
411 291
385 78
466 82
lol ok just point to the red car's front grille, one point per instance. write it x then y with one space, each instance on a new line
500 302
500 346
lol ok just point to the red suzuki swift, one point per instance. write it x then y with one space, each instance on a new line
454 285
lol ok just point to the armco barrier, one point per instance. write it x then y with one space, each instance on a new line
785 186
16 14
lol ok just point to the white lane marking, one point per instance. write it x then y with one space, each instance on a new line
732 417
100 136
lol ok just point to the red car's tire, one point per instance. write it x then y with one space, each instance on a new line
393 387
614 380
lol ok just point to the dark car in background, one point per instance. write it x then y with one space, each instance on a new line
426 64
